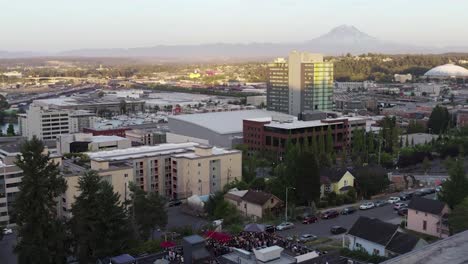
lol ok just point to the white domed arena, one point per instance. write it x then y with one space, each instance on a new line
447 71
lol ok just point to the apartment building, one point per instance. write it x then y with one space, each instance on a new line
46 124
118 174
10 178
176 170
303 83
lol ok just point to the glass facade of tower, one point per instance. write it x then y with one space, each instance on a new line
278 87
323 86
317 81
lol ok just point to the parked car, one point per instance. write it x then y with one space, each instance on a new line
284 226
7 231
330 214
270 228
405 196
338 230
310 220
398 206
418 193
348 210
368 205
403 211
393 200
307 237
173 203
380 203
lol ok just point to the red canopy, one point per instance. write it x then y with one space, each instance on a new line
167 244
218 236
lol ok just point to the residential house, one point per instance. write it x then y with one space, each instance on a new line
337 180
380 238
255 204
428 216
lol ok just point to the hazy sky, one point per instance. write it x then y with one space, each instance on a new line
52 25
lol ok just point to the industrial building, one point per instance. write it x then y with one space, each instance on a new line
94 103
82 142
222 129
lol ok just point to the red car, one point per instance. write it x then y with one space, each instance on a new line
330 214
403 211
310 220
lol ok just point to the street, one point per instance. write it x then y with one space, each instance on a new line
322 227
6 249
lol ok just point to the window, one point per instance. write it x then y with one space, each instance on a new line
376 252
199 164
424 225
358 245
345 183
416 212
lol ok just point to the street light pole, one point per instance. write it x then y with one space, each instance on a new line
286 207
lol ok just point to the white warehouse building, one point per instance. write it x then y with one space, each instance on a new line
223 129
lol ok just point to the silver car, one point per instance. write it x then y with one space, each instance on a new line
284 226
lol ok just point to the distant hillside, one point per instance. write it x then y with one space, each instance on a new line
340 40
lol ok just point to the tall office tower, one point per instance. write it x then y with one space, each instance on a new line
277 87
304 83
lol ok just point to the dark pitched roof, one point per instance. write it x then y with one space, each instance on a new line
257 197
345 188
426 205
233 197
373 230
402 243
333 174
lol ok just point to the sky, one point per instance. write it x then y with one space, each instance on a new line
58 25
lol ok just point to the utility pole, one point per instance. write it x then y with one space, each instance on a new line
286 207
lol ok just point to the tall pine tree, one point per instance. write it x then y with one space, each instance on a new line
148 211
42 236
100 226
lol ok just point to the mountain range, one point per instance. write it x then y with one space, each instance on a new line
340 40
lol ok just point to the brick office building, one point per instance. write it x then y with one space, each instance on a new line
266 134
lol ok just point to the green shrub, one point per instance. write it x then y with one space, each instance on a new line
322 204
339 200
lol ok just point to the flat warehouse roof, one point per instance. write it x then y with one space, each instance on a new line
225 122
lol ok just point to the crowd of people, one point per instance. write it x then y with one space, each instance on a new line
255 240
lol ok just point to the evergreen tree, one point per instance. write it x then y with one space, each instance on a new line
43 237
321 142
439 120
148 211
458 219
314 144
308 178
11 130
329 146
370 144
455 189
99 224
406 141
